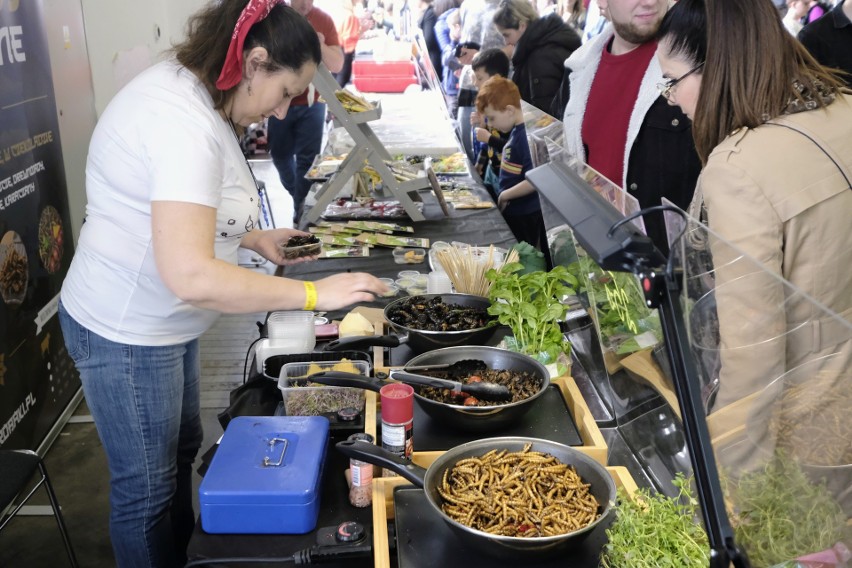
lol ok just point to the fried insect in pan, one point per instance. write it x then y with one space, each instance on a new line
520 494
521 384
434 315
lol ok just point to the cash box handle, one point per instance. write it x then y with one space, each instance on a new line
268 462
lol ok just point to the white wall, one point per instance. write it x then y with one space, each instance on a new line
95 47
126 36
75 106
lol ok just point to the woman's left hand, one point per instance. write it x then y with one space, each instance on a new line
269 243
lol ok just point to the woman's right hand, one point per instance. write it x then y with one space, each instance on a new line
341 290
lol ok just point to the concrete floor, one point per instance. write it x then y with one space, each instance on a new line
77 465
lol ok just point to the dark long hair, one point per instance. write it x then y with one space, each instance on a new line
754 69
684 29
284 33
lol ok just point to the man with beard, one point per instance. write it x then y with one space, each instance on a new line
617 121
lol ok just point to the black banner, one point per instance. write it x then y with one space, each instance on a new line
37 379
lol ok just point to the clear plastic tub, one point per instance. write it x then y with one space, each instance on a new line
291 331
393 290
409 255
303 398
408 274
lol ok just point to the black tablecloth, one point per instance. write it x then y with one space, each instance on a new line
472 226
481 227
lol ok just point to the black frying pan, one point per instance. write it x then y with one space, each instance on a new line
421 340
601 484
471 418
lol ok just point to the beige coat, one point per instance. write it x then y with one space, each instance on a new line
776 196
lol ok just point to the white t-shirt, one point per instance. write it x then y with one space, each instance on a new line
158 140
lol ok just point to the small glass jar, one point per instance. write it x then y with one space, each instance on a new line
361 474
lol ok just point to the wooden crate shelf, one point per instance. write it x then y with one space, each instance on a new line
383 507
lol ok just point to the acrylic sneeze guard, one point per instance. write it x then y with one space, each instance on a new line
775 380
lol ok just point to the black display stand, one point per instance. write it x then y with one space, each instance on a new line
618 246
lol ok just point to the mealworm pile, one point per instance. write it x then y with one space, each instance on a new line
520 494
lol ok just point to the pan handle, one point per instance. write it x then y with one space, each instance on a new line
362 341
371 453
341 379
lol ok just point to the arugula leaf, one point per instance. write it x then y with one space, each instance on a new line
531 305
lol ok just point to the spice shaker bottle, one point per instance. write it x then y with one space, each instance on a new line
361 472
397 420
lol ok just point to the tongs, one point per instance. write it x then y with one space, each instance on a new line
481 390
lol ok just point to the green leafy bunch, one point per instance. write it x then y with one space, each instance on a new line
780 514
531 305
657 531
619 304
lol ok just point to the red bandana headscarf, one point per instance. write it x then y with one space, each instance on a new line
232 70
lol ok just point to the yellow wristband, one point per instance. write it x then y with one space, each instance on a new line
310 295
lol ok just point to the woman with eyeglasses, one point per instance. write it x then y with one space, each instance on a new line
773 129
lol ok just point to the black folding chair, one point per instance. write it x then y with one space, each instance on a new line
16 469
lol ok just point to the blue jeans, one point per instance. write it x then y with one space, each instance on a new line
145 402
293 144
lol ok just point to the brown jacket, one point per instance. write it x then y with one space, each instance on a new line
774 194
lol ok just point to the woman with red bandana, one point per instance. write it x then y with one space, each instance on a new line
170 201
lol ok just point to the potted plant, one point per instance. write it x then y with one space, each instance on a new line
531 305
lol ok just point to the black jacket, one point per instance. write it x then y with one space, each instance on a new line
539 59
829 40
427 23
663 163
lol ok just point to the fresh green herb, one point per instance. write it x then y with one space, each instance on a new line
779 514
619 305
531 305
656 531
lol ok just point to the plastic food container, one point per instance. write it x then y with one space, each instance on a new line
393 290
300 250
302 398
291 331
408 274
436 247
417 290
409 256
387 281
406 283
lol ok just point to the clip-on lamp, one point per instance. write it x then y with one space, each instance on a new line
617 245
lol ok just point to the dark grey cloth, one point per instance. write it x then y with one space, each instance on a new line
663 163
829 39
427 24
539 59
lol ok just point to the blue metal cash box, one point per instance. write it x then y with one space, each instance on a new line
265 477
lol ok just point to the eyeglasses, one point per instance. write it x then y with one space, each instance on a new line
667 87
